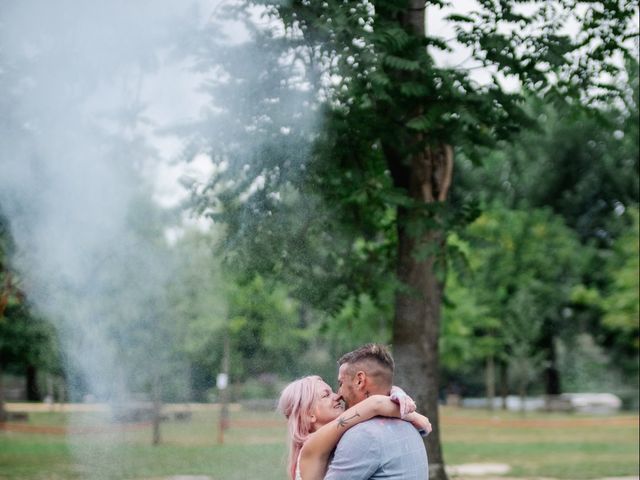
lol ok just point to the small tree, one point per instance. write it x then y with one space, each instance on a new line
522 324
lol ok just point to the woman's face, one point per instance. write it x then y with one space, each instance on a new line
327 405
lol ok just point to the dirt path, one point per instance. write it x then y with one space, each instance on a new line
447 420
64 430
616 421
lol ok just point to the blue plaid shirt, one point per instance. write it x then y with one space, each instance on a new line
380 448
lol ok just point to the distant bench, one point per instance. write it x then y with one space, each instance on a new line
16 417
138 412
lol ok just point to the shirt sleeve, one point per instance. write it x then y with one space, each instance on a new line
357 456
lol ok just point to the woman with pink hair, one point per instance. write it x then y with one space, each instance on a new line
316 420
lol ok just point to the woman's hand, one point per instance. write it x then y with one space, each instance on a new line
404 401
407 411
422 423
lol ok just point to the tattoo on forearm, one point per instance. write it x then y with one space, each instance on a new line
342 422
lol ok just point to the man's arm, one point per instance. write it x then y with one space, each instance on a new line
357 456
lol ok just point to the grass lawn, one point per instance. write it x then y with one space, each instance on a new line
544 445
563 446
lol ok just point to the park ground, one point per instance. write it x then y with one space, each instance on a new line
64 444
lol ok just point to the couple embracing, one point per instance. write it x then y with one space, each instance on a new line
377 436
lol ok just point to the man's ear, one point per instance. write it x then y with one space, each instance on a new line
360 380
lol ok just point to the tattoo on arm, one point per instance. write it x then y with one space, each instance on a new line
342 422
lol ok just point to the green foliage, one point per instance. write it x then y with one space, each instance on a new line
328 186
579 163
523 267
9 292
361 320
588 367
198 297
530 250
622 298
26 339
521 326
308 188
267 330
464 320
317 204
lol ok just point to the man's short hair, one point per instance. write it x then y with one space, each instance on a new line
374 359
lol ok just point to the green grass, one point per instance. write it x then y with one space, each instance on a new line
548 446
190 448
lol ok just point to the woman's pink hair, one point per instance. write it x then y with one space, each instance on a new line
296 403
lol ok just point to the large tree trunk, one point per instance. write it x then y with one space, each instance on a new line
425 174
420 270
415 338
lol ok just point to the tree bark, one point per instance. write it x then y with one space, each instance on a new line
157 409
522 390
31 377
490 382
223 421
416 328
504 384
3 413
426 175
415 339
551 372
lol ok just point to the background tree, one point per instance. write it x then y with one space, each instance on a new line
576 162
612 313
28 344
521 326
469 336
621 301
198 301
532 252
385 150
269 333
7 291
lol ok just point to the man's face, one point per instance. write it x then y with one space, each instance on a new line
347 387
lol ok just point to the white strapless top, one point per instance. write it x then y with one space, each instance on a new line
298 477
